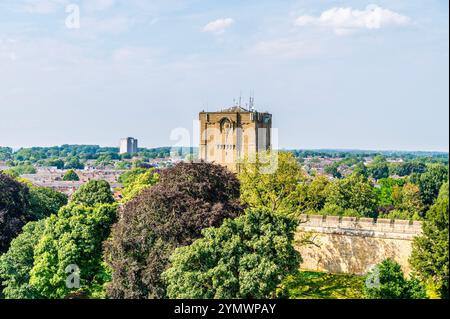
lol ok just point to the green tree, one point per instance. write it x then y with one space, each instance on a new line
387 281
14 203
430 255
71 175
385 189
377 159
379 170
104 160
126 156
407 199
131 175
44 201
17 262
73 238
354 192
244 258
275 188
333 170
92 193
361 169
5 153
73 163
431 181
414 178
407 168
336 210
122 165
313 195
142 181
22 169
55 162
188 198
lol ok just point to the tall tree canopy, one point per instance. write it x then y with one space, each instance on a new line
14 204
407 202
360 168
379 169
71 175
385 189
45 201
188 198
271 180
92 193
430 255
355 193
17 262
431 181
135 183
313 194
72 238
131 175
244 258
73 162
387 281
407 168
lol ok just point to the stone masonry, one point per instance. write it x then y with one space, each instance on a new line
352 245
230 135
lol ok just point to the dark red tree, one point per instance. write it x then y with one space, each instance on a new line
14 204
188 198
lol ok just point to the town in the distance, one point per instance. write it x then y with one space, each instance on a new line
54 166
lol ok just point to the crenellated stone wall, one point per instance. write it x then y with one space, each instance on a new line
354 245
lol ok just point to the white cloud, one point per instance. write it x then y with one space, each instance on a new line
218 26
347 20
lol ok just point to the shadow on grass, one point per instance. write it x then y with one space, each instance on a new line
318 285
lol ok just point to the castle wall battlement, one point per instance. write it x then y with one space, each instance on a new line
354 245
381 228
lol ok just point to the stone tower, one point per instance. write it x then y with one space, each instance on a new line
230 135
128 145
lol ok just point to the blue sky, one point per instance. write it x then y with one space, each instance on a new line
334 74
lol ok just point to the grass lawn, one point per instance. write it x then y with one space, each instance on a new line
319 285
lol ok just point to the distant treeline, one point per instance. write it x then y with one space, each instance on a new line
438 157
75 156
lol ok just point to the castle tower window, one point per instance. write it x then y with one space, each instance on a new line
227 127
